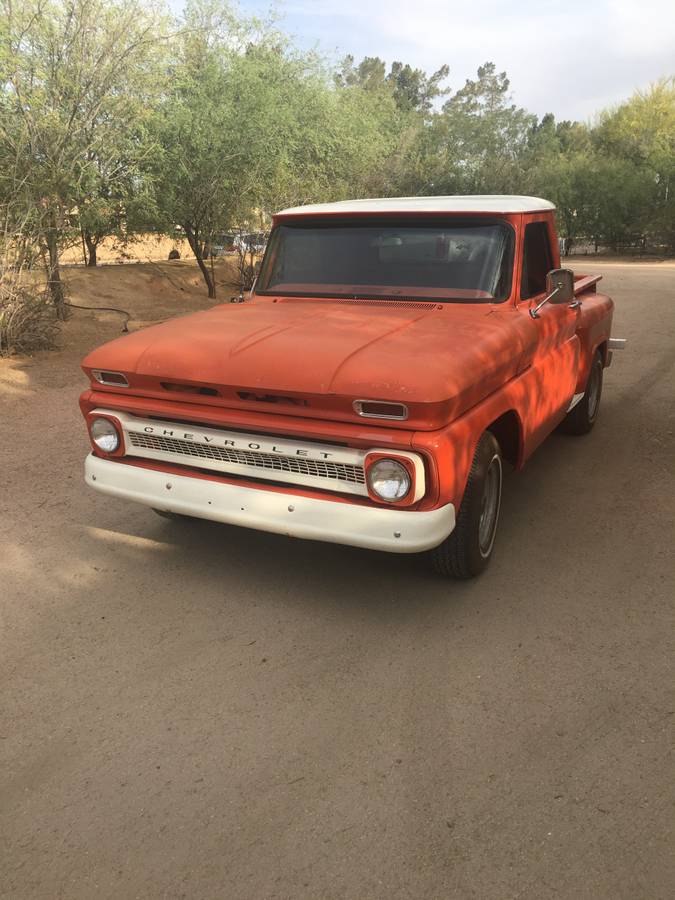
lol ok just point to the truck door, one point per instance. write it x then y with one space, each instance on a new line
556 359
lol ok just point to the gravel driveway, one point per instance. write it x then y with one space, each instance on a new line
191 710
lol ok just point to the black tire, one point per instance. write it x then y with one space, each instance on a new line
467 551
583 416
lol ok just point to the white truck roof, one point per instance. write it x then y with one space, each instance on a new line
483 203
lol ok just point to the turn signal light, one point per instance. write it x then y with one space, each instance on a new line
116 379
379 409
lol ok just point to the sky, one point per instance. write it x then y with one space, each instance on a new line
571 58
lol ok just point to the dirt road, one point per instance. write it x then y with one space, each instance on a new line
195 711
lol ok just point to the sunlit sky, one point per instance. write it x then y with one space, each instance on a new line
571 58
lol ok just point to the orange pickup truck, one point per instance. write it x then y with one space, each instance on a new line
391 357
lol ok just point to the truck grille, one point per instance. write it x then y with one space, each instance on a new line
284 459
270 462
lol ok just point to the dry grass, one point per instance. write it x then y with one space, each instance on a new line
141 248
27 318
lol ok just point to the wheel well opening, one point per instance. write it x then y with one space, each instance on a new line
602 350
506 429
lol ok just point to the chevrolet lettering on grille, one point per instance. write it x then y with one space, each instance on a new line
226 441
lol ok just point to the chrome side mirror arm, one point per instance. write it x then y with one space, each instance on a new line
534 313
560 285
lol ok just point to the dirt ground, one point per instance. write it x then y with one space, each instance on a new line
196 711
142 247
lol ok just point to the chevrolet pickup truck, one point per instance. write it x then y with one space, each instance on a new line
391 357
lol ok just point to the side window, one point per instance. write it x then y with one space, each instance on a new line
537 260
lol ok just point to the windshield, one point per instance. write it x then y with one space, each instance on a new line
469 261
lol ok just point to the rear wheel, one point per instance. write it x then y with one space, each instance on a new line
467 551
582 418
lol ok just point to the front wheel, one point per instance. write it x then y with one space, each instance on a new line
467 551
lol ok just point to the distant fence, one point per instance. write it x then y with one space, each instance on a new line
638 247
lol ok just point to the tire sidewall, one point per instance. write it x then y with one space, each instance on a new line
487 455
579 420
596 372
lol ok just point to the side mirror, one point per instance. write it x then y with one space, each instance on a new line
559 289
560 285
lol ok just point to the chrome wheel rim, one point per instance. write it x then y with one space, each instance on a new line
489 506
594 392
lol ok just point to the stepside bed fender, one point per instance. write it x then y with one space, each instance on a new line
593 329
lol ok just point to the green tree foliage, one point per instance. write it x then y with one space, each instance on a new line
637 141
201 149
412 89
558 164
611 181
115 119
248 125
71 74
475 143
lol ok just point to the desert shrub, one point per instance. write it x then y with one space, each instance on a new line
27 318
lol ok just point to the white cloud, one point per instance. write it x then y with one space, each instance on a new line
571 58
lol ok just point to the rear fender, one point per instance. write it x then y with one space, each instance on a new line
593 329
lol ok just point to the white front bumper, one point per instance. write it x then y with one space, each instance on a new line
393 530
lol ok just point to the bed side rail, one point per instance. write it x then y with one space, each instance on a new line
583 283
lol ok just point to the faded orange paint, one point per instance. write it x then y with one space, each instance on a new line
286 366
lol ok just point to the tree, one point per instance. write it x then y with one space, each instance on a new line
412 89
370 74
207 162
250 125
114 194
558 163
70 73
639 136
486 133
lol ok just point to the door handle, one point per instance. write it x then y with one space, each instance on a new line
575 304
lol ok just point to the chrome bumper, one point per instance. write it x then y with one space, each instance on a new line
391 530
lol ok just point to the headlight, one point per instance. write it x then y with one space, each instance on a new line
389 480
104 435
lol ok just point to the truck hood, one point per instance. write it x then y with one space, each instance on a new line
417 353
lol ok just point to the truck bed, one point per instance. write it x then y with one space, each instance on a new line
584 283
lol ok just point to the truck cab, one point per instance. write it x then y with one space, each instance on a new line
393 355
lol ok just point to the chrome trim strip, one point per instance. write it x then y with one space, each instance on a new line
617 343
577 398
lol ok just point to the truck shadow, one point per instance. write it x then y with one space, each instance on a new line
310 572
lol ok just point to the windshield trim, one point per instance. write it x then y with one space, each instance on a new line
388 221
385 298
